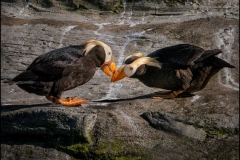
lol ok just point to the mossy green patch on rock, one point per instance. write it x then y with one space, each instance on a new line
114 147
78 150
79 147
128 158
28 152
117 150
113 150
220 132
71 158
231 154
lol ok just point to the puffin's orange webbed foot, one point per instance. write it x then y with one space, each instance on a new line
167 95
72 102
69 101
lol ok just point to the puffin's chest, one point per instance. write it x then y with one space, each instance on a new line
79 73
166 78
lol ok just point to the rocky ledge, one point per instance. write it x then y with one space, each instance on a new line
120 120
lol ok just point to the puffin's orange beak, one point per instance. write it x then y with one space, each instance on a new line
119 74
109 67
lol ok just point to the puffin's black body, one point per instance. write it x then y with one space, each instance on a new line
55 71
60 70
182 68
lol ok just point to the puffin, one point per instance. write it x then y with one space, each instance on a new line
181 68
54 72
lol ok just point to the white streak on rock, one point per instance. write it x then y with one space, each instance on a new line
195 98
65 30
224 39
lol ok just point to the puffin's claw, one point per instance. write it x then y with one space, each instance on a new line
167 95
68 102
72 102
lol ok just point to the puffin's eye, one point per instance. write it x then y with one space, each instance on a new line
131 68
109 53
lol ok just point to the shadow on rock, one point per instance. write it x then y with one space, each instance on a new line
7 108
147 96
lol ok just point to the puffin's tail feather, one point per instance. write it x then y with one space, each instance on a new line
209 56
20 82
217 62
208 53
224 63
25 76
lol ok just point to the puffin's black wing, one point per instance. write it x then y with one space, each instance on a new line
50 66
181 54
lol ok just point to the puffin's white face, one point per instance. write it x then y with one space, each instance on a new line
129 70
108 53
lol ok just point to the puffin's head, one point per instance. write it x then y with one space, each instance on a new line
132 57
134 68
108 66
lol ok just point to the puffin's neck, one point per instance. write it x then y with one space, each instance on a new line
140 71
97 55
150 77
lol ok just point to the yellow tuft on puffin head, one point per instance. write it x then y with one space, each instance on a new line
137 55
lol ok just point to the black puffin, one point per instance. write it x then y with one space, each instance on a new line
63 69
179 68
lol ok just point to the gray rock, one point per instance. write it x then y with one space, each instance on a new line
60 122
167 123
29 152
